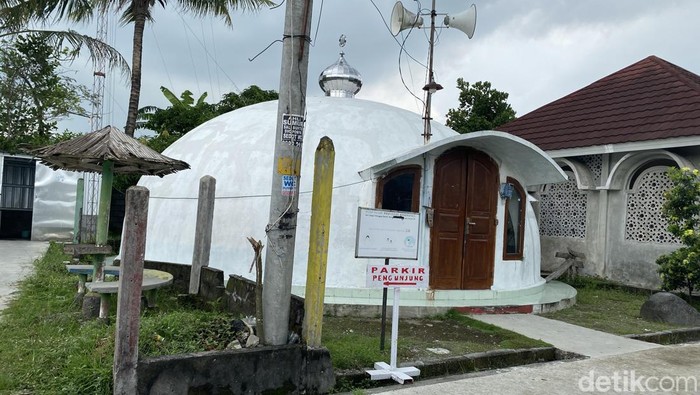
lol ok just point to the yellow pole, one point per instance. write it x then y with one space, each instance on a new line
318 242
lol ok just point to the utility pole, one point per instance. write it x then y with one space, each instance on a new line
432 86
284 196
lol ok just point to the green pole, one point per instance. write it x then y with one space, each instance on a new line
105 200
318 242
103 217
80 191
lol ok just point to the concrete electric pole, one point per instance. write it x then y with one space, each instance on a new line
284 201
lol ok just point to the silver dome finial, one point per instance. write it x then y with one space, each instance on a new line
340 79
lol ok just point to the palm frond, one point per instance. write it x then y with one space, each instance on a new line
221 8
97 50
17 14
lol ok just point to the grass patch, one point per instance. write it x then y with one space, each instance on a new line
354 342
47 348
608 307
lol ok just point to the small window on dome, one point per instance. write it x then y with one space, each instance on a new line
515 222
400 190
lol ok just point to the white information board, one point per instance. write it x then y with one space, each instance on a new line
386 234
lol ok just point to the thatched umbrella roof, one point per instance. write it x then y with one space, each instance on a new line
89 151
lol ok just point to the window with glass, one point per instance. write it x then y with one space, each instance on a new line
400 190
515 222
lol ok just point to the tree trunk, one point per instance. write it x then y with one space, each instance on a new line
139 25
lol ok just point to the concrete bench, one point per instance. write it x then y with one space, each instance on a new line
83 271
152 280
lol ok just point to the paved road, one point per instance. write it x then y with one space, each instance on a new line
669 369
16 258
616 364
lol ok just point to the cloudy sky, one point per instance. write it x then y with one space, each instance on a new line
535 50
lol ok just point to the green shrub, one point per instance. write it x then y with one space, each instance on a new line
681 268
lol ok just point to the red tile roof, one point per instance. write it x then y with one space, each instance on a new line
648 100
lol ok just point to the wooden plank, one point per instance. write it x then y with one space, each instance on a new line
203 228
88 269
560 270
126 344
86 249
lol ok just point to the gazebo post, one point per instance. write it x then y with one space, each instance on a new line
103 217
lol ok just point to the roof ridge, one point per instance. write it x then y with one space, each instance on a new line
689 78
635 103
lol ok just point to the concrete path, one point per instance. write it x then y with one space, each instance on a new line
564 336
670 369
616 364
16 259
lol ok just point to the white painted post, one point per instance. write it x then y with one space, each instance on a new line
202 233
382 370
126 345
395 327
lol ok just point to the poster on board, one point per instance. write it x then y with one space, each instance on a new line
386 234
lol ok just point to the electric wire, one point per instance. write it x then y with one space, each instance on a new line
221 69
401 70
394 37
211 81
338 187
213 48
194 66
402 49
160 53
320 13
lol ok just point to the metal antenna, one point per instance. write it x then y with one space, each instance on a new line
93 180
432 86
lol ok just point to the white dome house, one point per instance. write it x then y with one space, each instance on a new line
479 244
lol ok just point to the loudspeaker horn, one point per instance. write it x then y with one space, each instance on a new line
402 19
464 21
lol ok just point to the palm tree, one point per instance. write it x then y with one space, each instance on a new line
138 12
14 21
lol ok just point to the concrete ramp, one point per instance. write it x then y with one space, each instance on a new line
565 336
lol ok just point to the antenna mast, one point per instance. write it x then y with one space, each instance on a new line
432 86
93 180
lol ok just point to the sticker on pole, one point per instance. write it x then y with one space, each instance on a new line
386 234
391 276
292 129
289 185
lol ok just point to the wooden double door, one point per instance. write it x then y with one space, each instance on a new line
462 247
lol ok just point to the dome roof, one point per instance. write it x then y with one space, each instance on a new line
237 149
239 145
340 79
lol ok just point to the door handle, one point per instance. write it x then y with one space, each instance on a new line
467 224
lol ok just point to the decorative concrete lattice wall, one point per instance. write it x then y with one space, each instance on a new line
595 165
563 210
644 221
